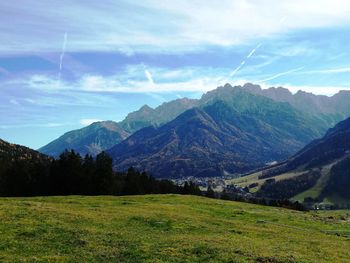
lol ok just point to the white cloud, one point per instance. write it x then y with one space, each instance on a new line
39 125
158 26
135 79
86 122
328 71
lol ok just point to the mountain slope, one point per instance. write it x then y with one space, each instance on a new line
334 145
103 135
319 173
11 152
147 116
91 139
233 133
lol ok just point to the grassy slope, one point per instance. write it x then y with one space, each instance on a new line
166 228
254 178
316 190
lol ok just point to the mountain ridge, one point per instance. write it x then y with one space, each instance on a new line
168 111
206 140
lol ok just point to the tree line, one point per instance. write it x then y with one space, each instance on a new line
72 174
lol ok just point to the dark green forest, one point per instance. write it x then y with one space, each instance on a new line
72 174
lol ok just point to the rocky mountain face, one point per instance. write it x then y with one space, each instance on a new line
147 116
332 109
232 131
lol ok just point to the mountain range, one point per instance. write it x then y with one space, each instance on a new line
103 135
274 120
230 130
228 133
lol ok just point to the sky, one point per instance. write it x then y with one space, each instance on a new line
65 64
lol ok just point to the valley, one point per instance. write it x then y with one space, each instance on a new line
175 131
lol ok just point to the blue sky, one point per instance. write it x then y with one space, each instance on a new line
64 64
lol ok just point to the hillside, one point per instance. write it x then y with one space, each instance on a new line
320 171
151 229
100 136
147 116
11 152
91 139
231 133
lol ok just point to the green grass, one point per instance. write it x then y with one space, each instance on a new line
166 228
316 190
254 178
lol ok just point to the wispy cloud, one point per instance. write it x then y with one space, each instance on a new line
14 102
4 72
328 71
140 80
39 125
61 57
281 74
86 122
171 26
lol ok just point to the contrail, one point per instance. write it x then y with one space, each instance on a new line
251 53
149 76
62 56
236 69
282 74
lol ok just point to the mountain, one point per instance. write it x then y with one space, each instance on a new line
96 137
334 145
318 174
101 136
91 139
147 116
233 131
332 109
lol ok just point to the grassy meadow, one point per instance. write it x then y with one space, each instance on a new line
166 228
